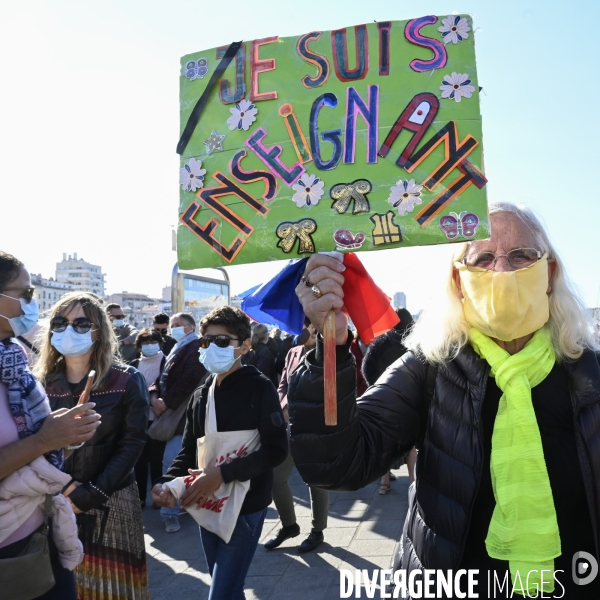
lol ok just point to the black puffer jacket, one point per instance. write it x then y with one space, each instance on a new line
105 463
439 411
381 353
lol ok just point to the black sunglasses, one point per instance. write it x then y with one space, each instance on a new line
26 292
80 325
116 316
221 341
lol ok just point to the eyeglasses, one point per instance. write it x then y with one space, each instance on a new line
112 317
221 341
519 258
27 292
80 325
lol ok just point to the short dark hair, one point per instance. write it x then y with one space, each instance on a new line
161 319
186 317
148 335
233 319
9 269
112 305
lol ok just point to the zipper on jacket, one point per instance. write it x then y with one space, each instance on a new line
583 454
480 437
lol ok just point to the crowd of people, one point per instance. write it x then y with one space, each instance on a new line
494 395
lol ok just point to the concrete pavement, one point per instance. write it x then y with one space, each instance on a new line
362 533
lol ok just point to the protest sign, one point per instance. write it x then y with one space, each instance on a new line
362 138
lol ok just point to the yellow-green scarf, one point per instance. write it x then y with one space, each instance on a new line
523 529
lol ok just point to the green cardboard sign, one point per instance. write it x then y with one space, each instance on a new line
362 138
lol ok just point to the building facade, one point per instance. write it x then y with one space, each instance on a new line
48 292
135 307
82 275
399 300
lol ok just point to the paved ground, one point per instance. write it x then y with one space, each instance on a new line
362 533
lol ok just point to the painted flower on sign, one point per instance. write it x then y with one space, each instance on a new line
242 115
309 190
456 86
454 29
191 176
404 195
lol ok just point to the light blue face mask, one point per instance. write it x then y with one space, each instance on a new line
71 343
218 360
25 322
178 333
118 322
150 349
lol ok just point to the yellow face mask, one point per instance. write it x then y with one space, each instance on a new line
506 305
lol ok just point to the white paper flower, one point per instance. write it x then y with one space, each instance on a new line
456 86
309 190
404 195
242 115
455 29
191 176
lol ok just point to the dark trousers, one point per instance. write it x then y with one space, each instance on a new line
150 460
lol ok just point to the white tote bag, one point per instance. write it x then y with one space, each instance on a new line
220 512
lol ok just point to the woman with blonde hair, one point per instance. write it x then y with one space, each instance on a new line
103 491
500 392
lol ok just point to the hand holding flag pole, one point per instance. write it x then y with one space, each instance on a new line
285 299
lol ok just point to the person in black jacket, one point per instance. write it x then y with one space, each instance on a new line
286 343
103 490
380 354
151 363
160 323
510 344
244 400
386 349
260 355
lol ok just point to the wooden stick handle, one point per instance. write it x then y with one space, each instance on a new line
85 395
330 370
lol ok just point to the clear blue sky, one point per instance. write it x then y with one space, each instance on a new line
89 124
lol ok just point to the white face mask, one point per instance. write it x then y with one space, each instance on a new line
71 343
150 349
178 333
218 360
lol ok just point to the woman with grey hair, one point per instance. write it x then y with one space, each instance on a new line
500 393
260 356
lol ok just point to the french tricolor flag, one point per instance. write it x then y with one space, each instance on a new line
275 302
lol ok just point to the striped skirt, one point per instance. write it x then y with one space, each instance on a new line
114 565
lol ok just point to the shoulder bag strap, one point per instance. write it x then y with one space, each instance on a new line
210 422
47 512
